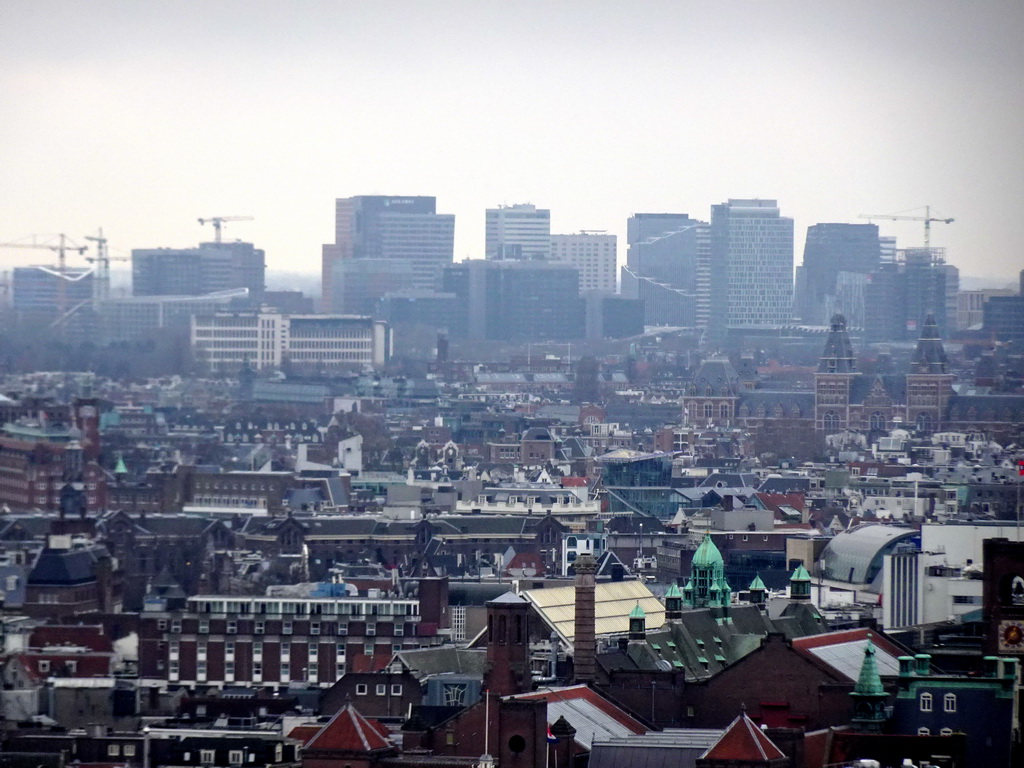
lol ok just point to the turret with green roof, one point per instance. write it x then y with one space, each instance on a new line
637 623
868 694
800 584
673 603
707 577
758 591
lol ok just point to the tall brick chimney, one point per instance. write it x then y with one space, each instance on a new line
585 643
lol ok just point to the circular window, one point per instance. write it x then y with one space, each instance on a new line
517 744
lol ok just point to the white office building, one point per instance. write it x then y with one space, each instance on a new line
226 340
594 254
518 232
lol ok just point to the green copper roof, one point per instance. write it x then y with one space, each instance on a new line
673 591
715 588
707 554
637 613
757 584
120 468
800 574
689 585
869 683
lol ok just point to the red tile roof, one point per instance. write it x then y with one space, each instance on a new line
350 732
804 644
743 740
574 482
304 733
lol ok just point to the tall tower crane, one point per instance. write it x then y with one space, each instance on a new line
102 261
61 248
927 219
218 222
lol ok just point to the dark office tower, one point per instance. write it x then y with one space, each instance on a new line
193 271
751 280
902 293
668 257
833 255
518 301
398 229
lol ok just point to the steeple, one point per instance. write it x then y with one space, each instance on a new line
837 356
930 355
868 694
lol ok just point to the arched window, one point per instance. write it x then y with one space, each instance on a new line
925 423
877 421
830 421
519 629
949 702
924 732
503 631
709 411
723 411
777 411
946 732
926 702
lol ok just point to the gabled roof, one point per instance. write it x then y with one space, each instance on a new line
743 740
612 603
593 716
844 651
350 733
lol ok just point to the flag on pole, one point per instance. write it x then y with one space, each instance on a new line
1020 467
552 739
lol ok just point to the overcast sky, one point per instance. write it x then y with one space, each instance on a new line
142 116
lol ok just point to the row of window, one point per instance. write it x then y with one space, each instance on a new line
926 702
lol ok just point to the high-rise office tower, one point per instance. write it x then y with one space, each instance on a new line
903 292
667 265
593 254
833 255
518 232
195 271
392 229
518 301
751 278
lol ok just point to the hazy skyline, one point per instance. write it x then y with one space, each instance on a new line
142 117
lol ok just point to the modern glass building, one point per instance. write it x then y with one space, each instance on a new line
751 274
856 556
639 483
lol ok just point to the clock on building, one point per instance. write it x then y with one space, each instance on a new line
1011 636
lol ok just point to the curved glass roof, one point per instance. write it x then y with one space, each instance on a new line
855 556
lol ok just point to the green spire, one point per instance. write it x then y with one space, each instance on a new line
637 612
673 591
757 584
707 554
120 468
869 683
800 574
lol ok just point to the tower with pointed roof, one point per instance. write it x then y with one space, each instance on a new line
637 623
673 603
868 694
834 380
758 591
800 584
707 587
929 383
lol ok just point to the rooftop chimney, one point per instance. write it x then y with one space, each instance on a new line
585 644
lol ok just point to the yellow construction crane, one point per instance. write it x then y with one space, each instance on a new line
61 248
218 222
927 219
102 260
